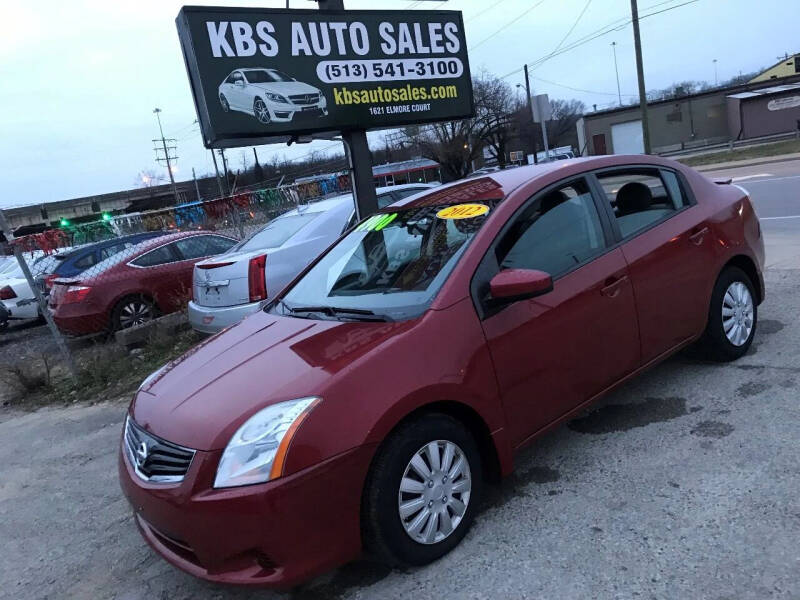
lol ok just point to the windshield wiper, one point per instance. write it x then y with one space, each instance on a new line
360 314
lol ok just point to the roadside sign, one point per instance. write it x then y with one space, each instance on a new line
542 111
264 75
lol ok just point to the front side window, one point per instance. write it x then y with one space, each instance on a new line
555 233
389 267
641 197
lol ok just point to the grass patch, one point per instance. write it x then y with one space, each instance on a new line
762 151
105 371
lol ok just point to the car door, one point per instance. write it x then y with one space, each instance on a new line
667 243
237 91
553 352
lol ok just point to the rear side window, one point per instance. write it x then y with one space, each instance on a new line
641 197
159 256
277 232
85 261
555 233
201 246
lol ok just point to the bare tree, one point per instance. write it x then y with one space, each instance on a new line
148 178
561 129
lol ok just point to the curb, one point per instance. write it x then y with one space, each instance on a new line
743 163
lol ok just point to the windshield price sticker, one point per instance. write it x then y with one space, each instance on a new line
463 211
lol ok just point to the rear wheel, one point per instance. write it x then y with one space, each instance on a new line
422 491
732 317
132 311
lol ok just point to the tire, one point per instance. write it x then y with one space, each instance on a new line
261 111
132 310
384 529
727 336
226 107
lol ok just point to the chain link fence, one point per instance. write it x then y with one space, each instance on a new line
123 270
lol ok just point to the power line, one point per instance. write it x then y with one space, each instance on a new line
605 30
507 25
574 89
485 10
575 24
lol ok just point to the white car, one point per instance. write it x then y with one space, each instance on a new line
228 287
17 295
270 95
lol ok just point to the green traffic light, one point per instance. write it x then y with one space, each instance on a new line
106 216
64 222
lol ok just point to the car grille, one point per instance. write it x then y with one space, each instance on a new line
154 459
305 98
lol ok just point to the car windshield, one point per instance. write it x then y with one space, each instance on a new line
276 233
266 76
392 265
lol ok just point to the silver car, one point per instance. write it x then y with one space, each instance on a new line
228 287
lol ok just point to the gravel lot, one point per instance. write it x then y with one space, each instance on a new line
683 484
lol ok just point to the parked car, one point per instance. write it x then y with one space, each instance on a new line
72 262
364 406
270 95
131 287
4 316
17 295
231 286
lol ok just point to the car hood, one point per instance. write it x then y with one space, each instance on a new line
286 88
200 399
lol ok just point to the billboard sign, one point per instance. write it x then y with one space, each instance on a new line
265 75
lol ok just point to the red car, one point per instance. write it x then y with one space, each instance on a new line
364 408
133 286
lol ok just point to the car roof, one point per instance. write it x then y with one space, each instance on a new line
500 184
328 203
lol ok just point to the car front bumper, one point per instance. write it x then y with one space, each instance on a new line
283 113
213 319
275 534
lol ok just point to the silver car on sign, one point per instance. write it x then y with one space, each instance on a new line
228 287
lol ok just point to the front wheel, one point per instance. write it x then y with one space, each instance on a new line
224 101
732 317
422 491
261 111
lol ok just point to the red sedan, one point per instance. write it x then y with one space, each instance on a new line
364 408
133 286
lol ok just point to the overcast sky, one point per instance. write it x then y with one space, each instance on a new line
81 78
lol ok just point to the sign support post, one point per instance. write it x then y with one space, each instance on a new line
357 149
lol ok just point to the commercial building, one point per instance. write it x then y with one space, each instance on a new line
786 67
696 120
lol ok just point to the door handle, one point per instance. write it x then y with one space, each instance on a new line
612 286
698 236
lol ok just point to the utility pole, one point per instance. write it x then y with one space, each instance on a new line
530 113
219 178
357 150
196 187
616 70
167 158
225 168
37 293
637 43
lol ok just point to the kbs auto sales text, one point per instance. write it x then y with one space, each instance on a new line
239 38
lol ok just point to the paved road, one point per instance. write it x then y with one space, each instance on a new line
775 190
683 484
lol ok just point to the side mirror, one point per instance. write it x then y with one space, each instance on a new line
511 285
239 83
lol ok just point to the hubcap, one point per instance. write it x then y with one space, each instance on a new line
134 313
262 114
737 313
434 492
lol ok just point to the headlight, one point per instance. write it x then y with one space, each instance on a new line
323 101
277 98
257 451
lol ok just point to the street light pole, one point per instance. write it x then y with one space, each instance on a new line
637 42
716 81
616 70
